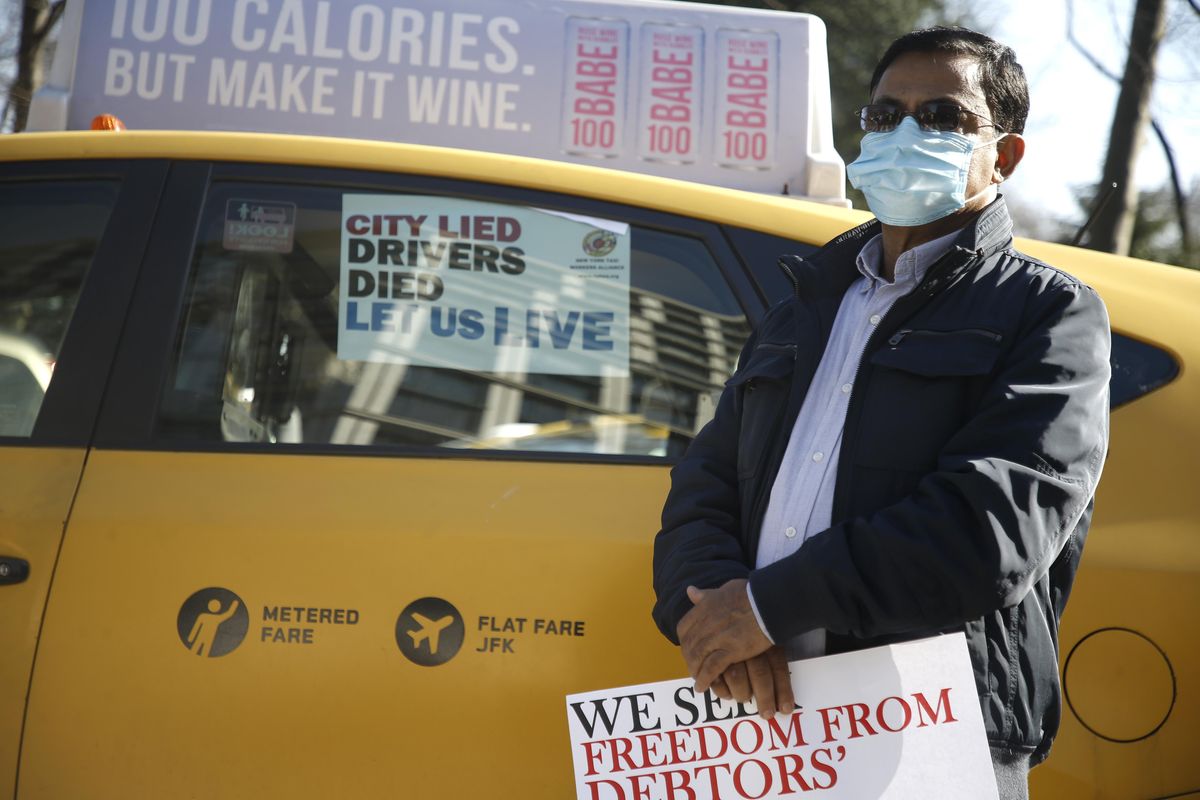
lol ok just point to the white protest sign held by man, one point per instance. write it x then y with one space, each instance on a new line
900 722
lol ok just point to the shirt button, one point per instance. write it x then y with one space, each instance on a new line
790 532
846 388
875 318
818 456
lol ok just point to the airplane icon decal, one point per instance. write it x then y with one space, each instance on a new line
430 630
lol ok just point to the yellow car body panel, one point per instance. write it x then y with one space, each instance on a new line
120 707
39 485
747 209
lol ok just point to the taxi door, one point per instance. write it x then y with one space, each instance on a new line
68 254
307 564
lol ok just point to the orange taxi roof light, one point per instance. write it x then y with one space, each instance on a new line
107 122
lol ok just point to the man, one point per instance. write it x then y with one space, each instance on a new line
911 442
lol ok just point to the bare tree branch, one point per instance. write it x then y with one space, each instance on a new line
56 11
1176 187
1180 198
1083 51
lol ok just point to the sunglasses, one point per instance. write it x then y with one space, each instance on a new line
932 116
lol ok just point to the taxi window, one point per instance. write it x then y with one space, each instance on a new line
330 316
49 231
1137 369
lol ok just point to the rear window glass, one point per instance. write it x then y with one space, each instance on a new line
1137 368
760 253
324 316
49 231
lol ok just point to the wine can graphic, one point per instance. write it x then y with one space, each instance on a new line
596 87
746 129
670 92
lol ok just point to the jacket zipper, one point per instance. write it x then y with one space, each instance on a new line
900 335
777 347
933 279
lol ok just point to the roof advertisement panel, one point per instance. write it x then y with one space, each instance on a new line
732 97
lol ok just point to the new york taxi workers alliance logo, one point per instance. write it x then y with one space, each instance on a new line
212 622
430 631
599 243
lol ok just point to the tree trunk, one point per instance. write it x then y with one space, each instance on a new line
1113 227
36 20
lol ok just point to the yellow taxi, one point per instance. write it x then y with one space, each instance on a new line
272 527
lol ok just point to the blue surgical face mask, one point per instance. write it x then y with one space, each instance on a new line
911 176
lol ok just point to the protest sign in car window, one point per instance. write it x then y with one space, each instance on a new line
463 284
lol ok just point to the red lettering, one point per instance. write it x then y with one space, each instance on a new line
596 69
923 708
705 754
740 81
621 748
684 785
508 229
744 119
648 752
673 738
679 94
711 769
667 113
781 738
735 737
819 762
755 100
675 75
591 756
671 57
830 723
741 787
597 107
358 224
858 713
881 715
787 775
641 792
746 63
596 51
595 788
483 228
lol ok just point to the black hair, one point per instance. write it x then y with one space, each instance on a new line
1000 76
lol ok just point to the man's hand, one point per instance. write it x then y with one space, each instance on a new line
764 679
719 632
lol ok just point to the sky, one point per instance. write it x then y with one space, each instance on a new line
1071 103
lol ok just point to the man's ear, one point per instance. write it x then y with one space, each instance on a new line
1009 152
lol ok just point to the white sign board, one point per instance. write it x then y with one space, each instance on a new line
728 96
479 286
900 722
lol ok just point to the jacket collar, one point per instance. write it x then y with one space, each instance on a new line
833 268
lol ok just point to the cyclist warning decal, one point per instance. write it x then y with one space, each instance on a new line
430 631
259 226
468 285
212 622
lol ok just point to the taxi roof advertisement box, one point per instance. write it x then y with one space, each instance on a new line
725 96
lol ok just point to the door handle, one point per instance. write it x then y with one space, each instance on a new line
13 570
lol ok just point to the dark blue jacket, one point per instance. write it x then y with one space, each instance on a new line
973 442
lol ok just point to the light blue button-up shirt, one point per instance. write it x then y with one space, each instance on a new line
801 502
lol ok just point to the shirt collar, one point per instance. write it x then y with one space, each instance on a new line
911 266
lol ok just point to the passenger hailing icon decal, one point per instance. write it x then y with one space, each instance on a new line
430 631
213 622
